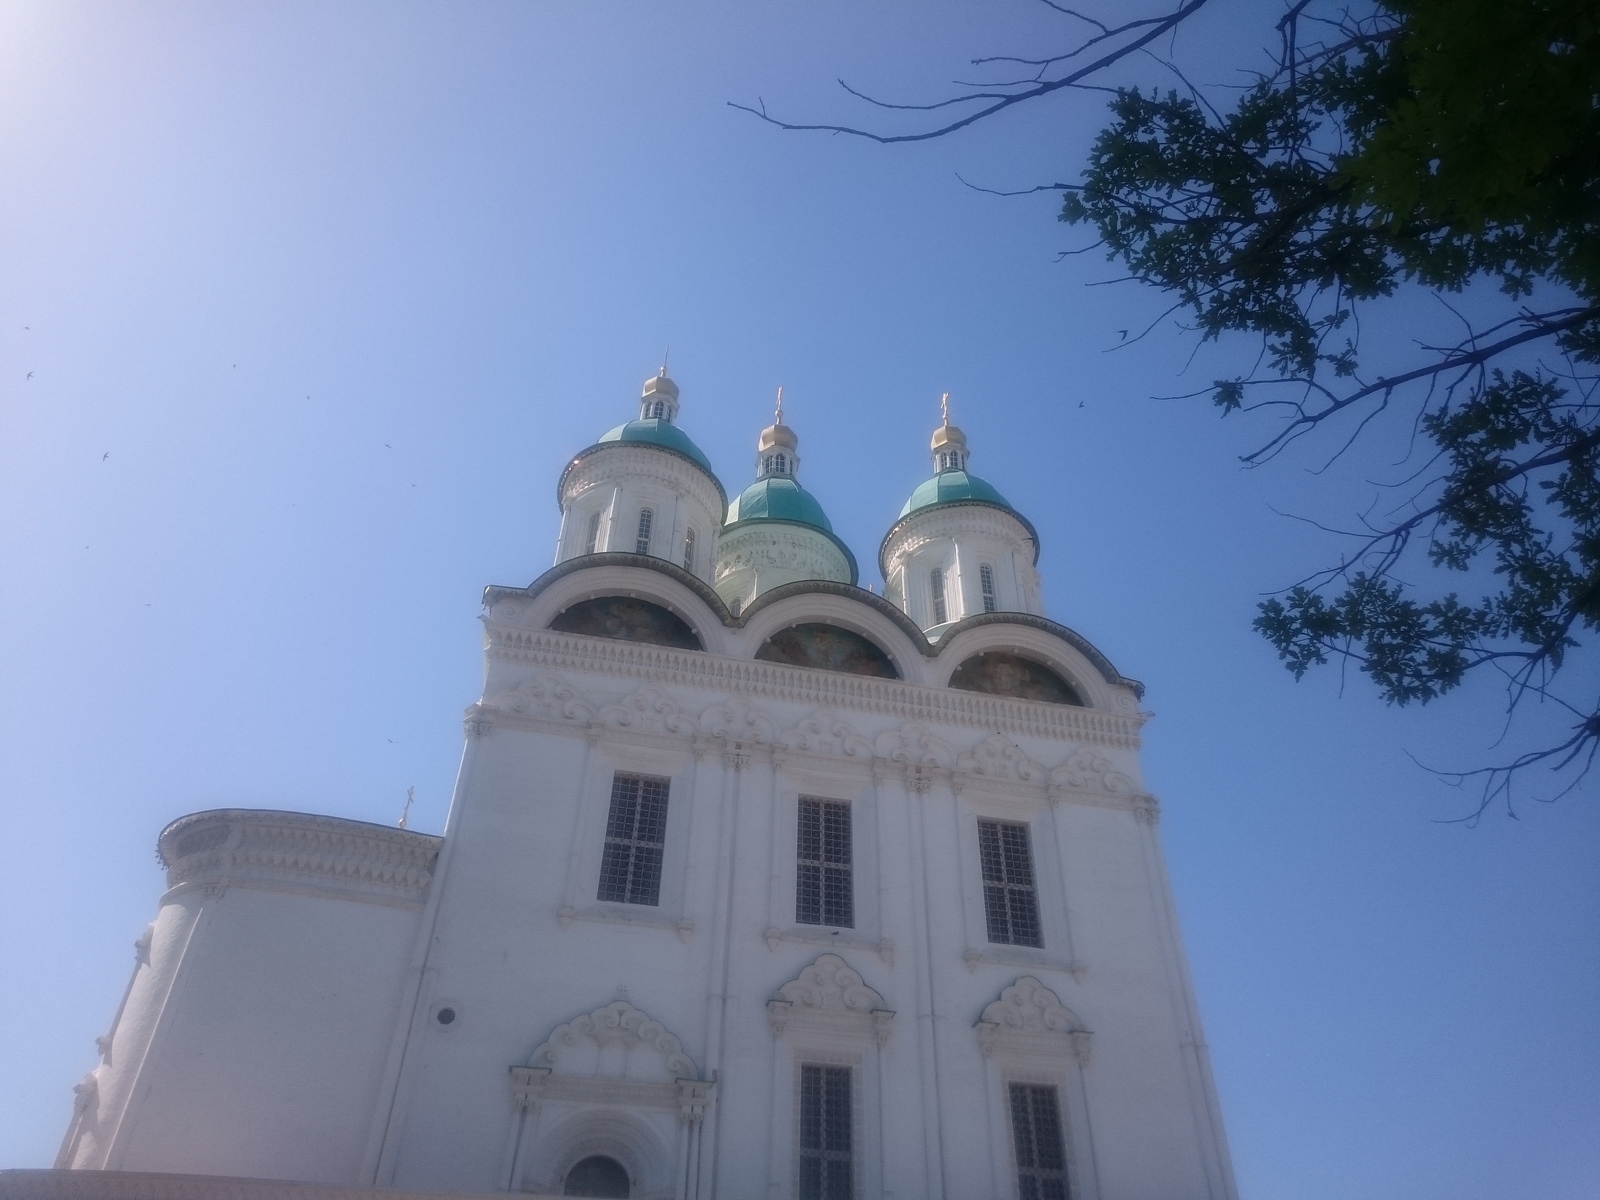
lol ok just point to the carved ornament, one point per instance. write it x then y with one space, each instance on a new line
829 996
1029 1019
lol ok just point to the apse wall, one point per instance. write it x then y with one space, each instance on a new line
260 1019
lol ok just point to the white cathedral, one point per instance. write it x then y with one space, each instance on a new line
755 885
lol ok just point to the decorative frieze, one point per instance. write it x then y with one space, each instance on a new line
833 690
741 729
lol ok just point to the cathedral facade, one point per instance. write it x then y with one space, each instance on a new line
755 883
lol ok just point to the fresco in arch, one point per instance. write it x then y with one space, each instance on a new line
828 648
627 620
1002 674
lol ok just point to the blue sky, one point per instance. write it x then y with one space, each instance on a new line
318 298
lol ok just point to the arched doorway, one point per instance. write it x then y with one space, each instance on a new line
598 1175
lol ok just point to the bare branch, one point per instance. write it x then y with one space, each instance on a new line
1001 101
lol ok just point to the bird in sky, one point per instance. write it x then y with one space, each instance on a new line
30 374
386 446
1124 334
105 456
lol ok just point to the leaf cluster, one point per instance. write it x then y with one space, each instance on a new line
1432 144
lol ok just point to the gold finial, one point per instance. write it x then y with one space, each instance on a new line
777 417
405 813
944 409
665 354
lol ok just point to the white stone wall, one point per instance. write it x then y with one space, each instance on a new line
289 1022
523 947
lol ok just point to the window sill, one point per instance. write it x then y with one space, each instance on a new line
825 935
1021 956
636 915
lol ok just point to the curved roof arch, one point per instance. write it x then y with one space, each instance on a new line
888 622
1071 637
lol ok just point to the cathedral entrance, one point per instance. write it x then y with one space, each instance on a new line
598 1176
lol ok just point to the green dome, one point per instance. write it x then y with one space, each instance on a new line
778 498
658 432
954 487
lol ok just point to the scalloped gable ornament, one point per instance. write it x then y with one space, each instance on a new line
1029 1019
830 996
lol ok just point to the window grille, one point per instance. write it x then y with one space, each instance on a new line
1010 903
657 409
688 551
826 1170
647 518
738 602
936 585
636 833
780 464
593 538
824 889
986 581
1036 1132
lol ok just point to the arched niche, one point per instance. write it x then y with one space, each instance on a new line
627 619
827 648
598 1175
1001 673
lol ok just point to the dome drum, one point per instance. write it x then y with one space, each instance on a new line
605 498
948 562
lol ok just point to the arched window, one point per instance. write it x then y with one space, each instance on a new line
780 464
655 410
593 537
647 518
941 612
598 1175
688 551
986 581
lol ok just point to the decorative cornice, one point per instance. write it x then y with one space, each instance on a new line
637 448
943 506
254 847
826 689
